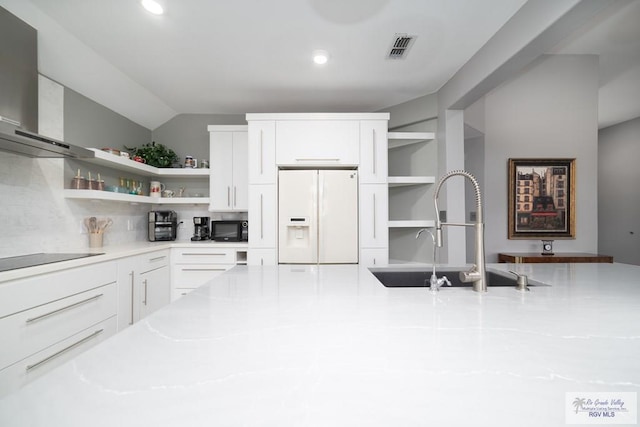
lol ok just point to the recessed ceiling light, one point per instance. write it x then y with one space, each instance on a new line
152 6
320 57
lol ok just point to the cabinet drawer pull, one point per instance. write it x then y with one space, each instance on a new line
374 215
204 269
60 310
145 291
157 258
261 154
235 197
261 218
64 350
317 159
228 196
374 151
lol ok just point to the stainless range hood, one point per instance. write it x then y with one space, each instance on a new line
18 141
19 94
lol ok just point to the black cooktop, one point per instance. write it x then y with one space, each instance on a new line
24 261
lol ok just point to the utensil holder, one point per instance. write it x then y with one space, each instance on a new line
95 240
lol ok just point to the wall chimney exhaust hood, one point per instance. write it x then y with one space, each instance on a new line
18 141
19 94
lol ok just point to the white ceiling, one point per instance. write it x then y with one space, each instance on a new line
239 56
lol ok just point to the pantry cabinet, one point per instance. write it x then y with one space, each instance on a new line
374 235
47 319
373 167
262 152
263 220
229 175
144 286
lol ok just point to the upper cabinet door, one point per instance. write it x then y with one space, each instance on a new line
229 177
262 152
373 152
240 196
221 177
318 143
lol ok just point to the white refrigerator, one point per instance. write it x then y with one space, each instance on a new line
318 216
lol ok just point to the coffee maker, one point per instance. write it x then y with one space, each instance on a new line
200 228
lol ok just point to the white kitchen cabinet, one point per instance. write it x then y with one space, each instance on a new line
155 290
229 176
35 365
144 285
262 256
374 256
373 167
46 318
193 267
263 216
262 152
317 142
373 202
373 205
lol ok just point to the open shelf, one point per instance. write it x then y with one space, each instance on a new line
112 161
132 198
399 181
412 223
399 139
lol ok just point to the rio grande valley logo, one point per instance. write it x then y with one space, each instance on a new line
601 408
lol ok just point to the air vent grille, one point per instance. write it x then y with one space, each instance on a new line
400 45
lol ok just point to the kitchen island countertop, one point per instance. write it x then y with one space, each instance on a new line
331 346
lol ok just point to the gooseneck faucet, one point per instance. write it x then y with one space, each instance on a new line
478 273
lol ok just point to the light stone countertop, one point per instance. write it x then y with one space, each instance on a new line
331 346
108 253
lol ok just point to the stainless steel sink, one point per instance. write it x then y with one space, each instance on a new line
420 278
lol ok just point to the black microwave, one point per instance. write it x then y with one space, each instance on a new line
230 231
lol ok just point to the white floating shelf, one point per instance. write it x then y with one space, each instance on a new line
132 198
400 139
109 160
399 181
412 223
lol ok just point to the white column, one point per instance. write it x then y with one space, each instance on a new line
452 192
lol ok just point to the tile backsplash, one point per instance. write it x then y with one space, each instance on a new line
36 217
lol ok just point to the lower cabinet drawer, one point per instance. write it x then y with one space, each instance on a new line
205 256
29 331
194 275
188 277
180 292
25 370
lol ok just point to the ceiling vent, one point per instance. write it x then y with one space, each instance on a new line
400 46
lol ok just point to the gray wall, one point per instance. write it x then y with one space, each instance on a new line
187 134
89 124
619 198
550 110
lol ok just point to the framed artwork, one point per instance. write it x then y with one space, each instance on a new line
542 199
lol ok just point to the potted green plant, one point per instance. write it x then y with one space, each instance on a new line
154 154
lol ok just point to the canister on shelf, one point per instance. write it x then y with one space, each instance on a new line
204 164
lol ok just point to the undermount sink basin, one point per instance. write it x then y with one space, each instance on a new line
420 278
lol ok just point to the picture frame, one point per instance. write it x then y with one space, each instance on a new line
541 201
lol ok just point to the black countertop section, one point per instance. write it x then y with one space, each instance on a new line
24 261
